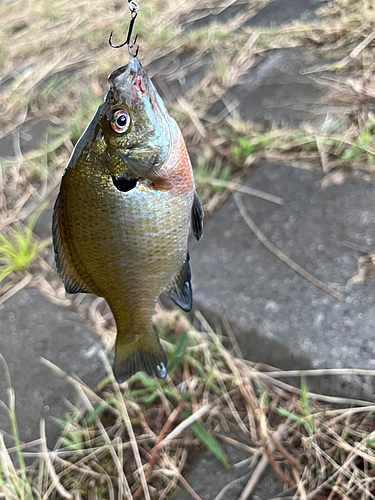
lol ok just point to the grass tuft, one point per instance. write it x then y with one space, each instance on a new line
160 424
20 248
14 483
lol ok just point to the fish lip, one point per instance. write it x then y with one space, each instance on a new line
135 65
133 80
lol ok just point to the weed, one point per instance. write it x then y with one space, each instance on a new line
265 397
176 356
220 66
209 441
54 84
357 149
246 147
20 249
243 149
304 419
14 484
207 39
205 175
74 433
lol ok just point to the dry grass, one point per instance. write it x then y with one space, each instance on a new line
138 439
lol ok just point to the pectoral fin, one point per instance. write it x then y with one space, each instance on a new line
69 275
179 290
141 169
197 215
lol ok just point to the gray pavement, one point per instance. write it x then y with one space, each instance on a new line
33 327
277 91
280 12
209 480
278 316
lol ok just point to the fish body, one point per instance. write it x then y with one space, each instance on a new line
121 220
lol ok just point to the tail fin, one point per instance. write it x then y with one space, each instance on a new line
139 353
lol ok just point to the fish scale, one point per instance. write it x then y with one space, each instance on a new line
121 221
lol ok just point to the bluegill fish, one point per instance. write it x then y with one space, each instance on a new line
121 220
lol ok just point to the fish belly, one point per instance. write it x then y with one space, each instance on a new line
131 245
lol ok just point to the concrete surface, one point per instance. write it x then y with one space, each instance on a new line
282 12
33 327
218 14
275 90
279 317
209 478
175 74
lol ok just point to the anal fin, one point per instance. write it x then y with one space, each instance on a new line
197 215
179 290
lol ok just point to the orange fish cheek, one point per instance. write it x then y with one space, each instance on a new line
179 169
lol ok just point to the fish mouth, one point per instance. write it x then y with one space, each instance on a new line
134 67
133 77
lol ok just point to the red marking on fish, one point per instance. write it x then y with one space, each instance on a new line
137 84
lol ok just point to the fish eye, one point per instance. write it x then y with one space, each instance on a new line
120 121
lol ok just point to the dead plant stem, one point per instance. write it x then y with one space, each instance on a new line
266 242
261 467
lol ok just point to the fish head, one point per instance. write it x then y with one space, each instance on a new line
131 127
136 122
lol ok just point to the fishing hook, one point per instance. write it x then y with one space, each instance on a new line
133 7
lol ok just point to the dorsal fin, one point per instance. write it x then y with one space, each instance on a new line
179 289
70 277
197 215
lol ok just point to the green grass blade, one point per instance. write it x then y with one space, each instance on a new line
304 399
176 358
292 416
25 489
209 441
